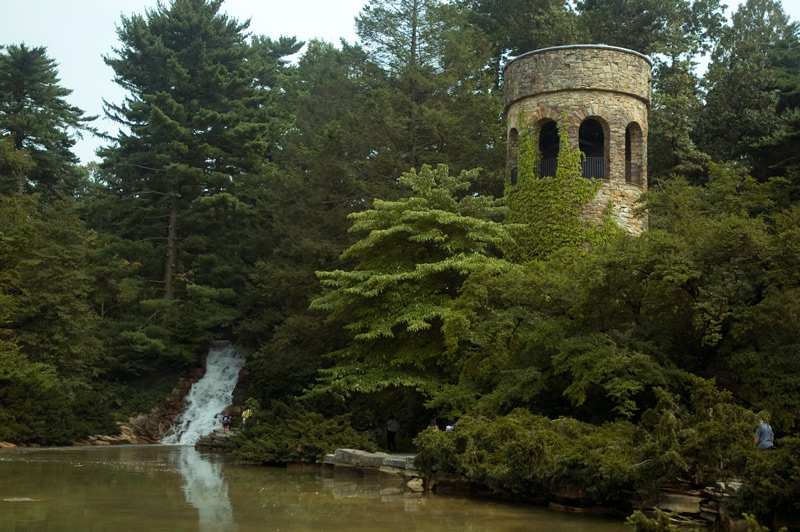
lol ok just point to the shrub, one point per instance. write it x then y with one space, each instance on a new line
771 483
532 455
289 433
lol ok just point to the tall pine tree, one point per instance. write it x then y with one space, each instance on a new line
194 140
433 99
38 123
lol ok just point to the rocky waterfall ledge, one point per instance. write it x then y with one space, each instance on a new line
216 441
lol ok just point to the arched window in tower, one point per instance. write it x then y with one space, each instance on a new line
633 154
602 90
548 147
591 141
513 153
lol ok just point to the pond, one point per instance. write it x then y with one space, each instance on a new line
174 487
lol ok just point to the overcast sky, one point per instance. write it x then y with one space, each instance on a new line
77 33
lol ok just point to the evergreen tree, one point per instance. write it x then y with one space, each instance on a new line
301 221
676 108
751 89
776 153
432 99
403 301
337 157
671 27
192 156
45 274
51 361
38 122
518 26
14 164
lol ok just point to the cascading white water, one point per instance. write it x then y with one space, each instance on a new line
209 396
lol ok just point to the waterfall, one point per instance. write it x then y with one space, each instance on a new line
209 396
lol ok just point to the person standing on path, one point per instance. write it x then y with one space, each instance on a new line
392 426
765 438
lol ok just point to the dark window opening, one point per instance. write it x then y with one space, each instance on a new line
548 147
513 153
633 154
591 141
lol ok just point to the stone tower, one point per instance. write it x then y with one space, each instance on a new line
605 92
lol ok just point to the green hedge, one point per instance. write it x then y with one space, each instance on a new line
289 433
533 455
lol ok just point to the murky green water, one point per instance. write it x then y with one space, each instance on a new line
175 488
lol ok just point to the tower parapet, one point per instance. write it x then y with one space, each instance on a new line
605 92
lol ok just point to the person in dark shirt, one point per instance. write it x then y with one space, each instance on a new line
392 426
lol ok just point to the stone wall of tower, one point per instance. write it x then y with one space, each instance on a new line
608 84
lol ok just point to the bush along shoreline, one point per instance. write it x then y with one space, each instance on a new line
691 454
698 476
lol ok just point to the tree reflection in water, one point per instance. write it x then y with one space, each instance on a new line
163 488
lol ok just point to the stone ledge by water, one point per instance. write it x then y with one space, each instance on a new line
399 466
216 441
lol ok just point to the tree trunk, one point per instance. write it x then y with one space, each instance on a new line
412 118
172 244
21 177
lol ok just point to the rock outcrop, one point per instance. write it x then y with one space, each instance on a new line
393 467
216 441
150 427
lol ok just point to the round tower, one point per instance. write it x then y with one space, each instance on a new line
605 92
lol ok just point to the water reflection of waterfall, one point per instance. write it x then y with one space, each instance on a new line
209 396
206 490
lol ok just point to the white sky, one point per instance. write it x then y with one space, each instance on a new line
77 33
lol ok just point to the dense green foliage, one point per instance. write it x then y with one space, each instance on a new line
533 455
771 484
38 123
405 291
290 433
344 216
662 522
546 212
51 354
